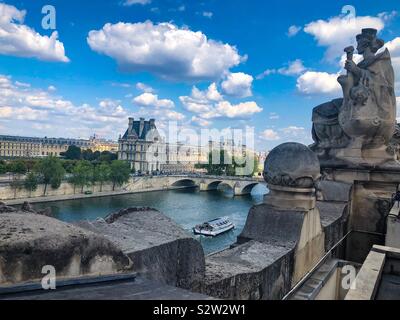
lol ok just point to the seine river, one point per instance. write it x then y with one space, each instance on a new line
187 207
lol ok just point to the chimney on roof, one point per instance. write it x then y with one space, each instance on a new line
130 125
141 126
152 123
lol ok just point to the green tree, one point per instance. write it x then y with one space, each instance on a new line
88 155
18 167
16 184
82 174
72 153
69 165
228 165
3 167
119 173
31 182
218 163
102 174
50 171
246 166
107 156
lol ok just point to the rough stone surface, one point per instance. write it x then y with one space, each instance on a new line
334 218
29 241
6 209
261 265
159 248
292 165
270 225
138 289
25 208
250 271
334 191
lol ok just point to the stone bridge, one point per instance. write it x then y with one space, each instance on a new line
239 186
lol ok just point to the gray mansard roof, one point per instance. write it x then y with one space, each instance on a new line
134 132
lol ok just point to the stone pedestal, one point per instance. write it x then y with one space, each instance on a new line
291 198
370 204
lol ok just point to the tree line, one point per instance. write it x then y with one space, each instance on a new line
52 171
226 164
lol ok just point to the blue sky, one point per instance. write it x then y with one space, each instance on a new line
206 64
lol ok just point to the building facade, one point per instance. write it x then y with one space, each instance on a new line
101 145
32 147
146 151
141 146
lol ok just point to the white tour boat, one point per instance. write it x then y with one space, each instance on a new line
214 228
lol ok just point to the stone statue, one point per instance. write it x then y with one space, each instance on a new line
394 143
358 127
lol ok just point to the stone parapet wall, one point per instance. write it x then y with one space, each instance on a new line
29 242
159 249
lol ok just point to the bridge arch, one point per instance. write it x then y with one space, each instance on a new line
216 184
225 186
184 183
213 185
246 188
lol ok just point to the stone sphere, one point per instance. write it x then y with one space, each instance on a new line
292 165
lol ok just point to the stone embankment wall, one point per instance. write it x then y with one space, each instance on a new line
7 192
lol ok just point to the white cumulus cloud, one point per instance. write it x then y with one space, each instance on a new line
17 39
269 135
238 85
148 99
339 32
144 87
24 107
210 104
293 68
208 14
312 82
165 50
201 122
133 2
293 30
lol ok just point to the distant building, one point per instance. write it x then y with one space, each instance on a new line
97 144
32 147
182 158
141 146
145 150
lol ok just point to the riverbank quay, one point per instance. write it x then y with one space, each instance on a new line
84 196
66 191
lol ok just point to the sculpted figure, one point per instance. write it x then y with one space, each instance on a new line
358 127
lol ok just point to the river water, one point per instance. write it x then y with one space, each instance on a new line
187 207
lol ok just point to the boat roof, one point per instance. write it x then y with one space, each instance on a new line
219 220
